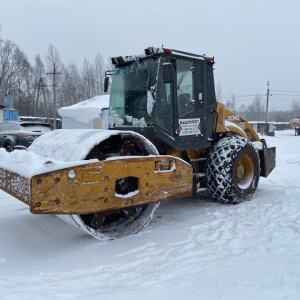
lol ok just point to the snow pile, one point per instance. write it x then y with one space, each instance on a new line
85 111
28 164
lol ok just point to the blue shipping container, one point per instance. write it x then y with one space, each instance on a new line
10 115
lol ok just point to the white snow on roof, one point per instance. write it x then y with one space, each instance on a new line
85 111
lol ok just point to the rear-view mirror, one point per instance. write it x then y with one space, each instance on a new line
106 82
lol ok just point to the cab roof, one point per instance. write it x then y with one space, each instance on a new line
156 52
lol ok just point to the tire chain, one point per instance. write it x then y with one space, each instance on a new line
220 161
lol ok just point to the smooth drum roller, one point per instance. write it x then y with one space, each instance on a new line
75 145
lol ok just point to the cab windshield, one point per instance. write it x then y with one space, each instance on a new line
140 98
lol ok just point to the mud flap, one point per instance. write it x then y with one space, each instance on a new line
267 158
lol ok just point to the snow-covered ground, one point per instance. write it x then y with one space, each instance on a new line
193 248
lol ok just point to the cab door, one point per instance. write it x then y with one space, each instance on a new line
189 121
195 118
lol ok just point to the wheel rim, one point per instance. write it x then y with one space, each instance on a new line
122 222
244 172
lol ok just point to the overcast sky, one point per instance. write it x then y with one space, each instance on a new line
253 41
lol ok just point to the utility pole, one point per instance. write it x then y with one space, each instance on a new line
266 122
42 86
54 73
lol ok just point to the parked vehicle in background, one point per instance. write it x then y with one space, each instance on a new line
295 124
20 135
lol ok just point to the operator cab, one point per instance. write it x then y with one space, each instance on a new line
166 95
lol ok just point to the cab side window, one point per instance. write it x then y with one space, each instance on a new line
184 87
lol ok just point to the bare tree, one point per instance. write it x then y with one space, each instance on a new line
242 110
70 87
99 74
42 92
52 58
8 66
231 103
15 74
25 83
92 77
219 92
295 107
256 109
259 107
87 80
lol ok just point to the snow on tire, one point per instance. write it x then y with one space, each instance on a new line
232 170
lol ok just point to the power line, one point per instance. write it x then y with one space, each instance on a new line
287 95
286 91
284 99
244 95
263 94
273 99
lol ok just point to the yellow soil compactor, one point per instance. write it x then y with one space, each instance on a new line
168 138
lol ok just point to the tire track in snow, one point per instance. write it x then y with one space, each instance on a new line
248 251
232 233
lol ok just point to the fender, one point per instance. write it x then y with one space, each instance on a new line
228 121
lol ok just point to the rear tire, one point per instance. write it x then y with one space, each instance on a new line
232 170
